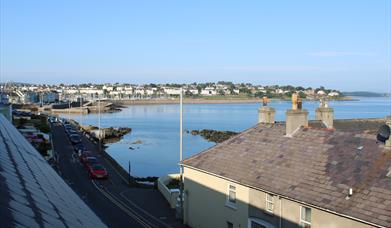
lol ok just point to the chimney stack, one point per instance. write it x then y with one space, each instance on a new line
387 143
325 113
266 114
296 117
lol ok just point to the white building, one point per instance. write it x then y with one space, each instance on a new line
333 94
209 91
172 91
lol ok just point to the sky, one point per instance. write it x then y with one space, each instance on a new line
338 44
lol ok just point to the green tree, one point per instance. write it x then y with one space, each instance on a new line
302 94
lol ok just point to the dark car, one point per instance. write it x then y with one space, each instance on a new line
84 155
97 171
79 147
72 132
75 139
90 161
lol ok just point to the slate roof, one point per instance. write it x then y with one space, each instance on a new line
316 166
32 194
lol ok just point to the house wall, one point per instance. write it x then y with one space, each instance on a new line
205 206
205 201
291 213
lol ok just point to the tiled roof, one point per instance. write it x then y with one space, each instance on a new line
32 194
316 166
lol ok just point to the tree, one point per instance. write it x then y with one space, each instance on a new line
259 94
302 94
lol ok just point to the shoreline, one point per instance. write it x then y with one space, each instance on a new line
209 101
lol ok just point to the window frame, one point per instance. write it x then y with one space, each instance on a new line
302 221
228 202
269 202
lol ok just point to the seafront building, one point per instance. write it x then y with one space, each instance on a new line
322 173
20 93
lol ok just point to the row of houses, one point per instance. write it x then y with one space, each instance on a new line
296 173
29 97
51 94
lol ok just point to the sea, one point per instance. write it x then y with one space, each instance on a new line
152 148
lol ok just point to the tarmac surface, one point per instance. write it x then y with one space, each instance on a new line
113 200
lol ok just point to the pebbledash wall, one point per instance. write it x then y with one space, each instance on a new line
205 205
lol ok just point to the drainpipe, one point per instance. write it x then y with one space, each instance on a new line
280 210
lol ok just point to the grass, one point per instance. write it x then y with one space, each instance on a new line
174 183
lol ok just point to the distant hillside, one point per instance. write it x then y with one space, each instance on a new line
365 94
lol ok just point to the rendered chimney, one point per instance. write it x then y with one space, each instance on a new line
296 117
325 114
387 143
266 114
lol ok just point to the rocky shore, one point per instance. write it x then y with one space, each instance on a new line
214 135
110 135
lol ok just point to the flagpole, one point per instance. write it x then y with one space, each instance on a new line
100 135
181 151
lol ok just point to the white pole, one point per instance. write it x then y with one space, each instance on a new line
180 128
181 150
69 109
81 110
100 135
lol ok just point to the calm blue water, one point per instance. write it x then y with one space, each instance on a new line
157 126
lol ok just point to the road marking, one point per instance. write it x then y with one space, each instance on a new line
126 209
147 213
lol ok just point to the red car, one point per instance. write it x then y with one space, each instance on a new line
84 155
97 171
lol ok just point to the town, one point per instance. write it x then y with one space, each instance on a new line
22 93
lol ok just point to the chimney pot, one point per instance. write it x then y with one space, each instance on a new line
294 101
325 113
264 100
299 103
296 117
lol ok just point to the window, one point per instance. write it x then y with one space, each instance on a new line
305 217
269 203
257 225
230 225
231 198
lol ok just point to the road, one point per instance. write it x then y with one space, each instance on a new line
113 200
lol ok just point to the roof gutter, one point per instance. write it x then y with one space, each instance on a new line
286 197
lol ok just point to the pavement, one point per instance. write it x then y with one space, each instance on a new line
113 200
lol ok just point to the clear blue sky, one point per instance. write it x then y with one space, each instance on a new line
339 44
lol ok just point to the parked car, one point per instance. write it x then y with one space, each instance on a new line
75 139
78 147
97 171
52 119
72 132
90 161
84 155
67 127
